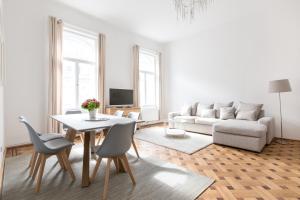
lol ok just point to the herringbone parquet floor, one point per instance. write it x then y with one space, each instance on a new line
242 175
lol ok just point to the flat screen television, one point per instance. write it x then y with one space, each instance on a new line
120 97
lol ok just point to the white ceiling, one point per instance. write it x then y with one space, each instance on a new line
157 19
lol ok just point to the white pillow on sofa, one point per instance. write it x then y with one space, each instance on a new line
186 110
227 113
217 107
247 115
200 107
208 113
249 107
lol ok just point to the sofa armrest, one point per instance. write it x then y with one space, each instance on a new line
269 123
171 115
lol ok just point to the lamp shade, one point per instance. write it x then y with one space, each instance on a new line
282 85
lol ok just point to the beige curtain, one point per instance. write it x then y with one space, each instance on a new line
136 90
101 71
160 86
55 72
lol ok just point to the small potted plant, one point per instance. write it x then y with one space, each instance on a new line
91 105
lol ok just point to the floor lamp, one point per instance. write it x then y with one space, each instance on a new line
280 86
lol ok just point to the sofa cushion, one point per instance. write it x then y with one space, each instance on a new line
227 113
200 107
241 127
249 107
185 119
186 110
246 115
194 108
208 113
206 121
217 107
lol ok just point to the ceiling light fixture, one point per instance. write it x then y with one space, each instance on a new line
186 8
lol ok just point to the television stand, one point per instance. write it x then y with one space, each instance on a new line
110 110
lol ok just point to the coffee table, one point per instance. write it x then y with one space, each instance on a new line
176 133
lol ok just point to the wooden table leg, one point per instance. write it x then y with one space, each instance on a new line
86 161
70 135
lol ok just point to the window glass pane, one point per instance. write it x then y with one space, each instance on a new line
87 82
79 47
150 88
69 86
142 89
147 62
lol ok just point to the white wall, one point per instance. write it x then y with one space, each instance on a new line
27 59
235 61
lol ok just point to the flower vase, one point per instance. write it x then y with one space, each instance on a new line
93 113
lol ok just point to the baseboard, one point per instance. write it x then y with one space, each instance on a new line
2 172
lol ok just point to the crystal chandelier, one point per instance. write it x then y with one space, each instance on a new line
186 8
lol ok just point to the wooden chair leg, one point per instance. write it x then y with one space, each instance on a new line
116 161
37 165
67 164
106 181
81 137
135 149
41 171
61 162
127 168
96 169
33 162
99 138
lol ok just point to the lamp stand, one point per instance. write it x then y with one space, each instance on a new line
281 140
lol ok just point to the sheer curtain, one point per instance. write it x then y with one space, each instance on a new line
101 76
136 72
55 72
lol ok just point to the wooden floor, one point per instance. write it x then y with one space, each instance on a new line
239 174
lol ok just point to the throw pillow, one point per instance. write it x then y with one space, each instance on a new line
186 110
208 113
200 107
227 113
194 108
247 115
249 107
217 107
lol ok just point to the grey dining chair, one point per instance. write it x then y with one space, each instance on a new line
114 148
135 116
45 150
119 113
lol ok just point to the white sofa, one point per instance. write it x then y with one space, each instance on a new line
246 134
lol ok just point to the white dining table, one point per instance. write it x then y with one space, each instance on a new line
80 123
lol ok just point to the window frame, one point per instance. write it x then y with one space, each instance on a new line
90 35
155 73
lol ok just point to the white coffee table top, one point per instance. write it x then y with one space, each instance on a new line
175 132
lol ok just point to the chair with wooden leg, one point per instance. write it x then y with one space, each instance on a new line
114 148
119 113
45 150
135 116
45 137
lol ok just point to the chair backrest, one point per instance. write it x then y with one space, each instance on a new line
134 115
35 139
118 140
71 112
119 113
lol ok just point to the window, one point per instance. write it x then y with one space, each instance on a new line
149 78
80 71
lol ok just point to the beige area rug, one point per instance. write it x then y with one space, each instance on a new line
156 180
190 143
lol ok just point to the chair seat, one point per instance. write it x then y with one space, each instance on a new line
58 144
50 136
